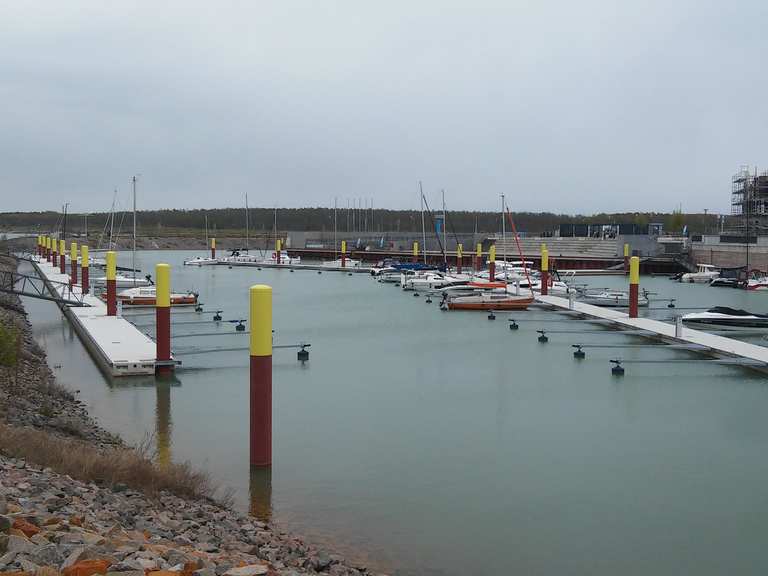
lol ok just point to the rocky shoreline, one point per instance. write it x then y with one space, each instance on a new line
52 523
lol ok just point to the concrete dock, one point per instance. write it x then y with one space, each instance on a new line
718 346
319 267
116 345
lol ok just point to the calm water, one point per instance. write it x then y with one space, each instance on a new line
441 443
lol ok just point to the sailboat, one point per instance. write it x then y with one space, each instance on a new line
202 260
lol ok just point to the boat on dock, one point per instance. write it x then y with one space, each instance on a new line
725 317
147 296
611 299
704 275
488 301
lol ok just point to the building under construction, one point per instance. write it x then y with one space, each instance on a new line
749 201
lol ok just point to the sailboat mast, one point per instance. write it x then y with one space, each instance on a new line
423 228
335 234
133 255
246 221
206 230
504 233
112 221
445 245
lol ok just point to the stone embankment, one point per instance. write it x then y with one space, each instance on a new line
52 523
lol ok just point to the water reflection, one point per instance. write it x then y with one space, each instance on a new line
261 493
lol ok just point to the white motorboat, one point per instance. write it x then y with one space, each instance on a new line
122 281
611 299
348 263
201 261
704 275
428 281
724 317
147 296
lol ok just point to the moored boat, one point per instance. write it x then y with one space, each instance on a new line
201 261
488 301
147 296
704 274
122 281
611 299
725 317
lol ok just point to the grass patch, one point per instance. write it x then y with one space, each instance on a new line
134 467
9 343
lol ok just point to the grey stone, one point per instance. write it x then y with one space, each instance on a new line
47 555
252 570
3 543
3 506
73 557
5 524
20 545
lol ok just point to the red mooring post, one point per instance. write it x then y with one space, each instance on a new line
260 297
343 253
73 264
544 270
213 248
47 249
84 266
54 252
459 255
634 285
626 258
111 283
62 257
163 317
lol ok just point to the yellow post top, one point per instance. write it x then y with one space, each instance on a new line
278 244
626 250
162 285
213 242
62 247
38 239
261 320
343 246
492 253
634 270
415 248
54 246
544 258
479 250
111 265
73 251
84 260
48 242
459 250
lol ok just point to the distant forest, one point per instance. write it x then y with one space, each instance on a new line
232 221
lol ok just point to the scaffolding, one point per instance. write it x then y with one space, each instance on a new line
749 199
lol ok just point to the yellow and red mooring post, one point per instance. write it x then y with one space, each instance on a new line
415 255
626 258
73 263
62 257
213 248
163 316
261 375
37 247
343 253
84 265
634 285
111 283
278 245
492 263
48 248
478 257
459 255
544 270
41 246
54 252
45 248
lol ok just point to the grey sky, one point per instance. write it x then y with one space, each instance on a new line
566 106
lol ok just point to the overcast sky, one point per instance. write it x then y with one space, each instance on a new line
572 106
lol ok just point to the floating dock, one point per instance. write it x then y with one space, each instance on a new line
118 347
747 354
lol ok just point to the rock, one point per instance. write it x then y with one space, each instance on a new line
87 568
27 528
19 544
3 506
119 487
73 557
47 555
251 570
5 524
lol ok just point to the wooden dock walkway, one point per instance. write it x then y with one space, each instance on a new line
718 346
119 348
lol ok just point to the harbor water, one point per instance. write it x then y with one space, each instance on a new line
427 442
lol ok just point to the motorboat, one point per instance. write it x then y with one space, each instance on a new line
122 281
201 261
147 296
725 317
704 274
488 301
758 283
428 281
611 299
730 278
348 263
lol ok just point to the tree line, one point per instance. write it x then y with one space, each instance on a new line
233 221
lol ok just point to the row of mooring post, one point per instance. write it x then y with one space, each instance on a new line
54 251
